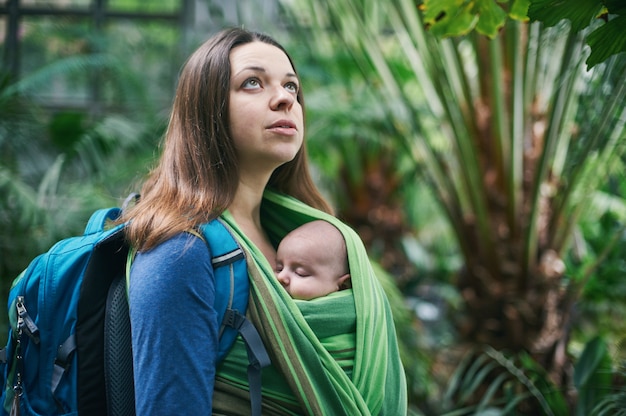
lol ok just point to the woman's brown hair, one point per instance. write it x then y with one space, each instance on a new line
197 175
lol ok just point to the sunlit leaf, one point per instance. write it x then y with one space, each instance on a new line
449 17
458 17
491 18
519 10
578 12
607 40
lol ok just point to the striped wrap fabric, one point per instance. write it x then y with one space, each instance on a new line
335 355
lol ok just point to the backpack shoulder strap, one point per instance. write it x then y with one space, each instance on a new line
231 276
232 288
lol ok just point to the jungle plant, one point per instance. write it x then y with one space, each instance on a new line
491 382
516 136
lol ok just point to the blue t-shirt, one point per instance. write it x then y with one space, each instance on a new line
174 328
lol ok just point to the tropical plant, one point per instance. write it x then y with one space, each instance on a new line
452 18
516 138
370 183
505 383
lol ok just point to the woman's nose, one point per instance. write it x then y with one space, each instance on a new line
282 99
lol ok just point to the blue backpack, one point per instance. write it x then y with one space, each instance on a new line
69 346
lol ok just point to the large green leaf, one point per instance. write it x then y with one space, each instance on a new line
579 12
519 9
457 21
592 375
491 18
607 40
458 17
589 362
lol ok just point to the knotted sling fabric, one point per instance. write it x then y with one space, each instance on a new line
336 355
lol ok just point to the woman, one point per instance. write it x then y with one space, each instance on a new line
234 149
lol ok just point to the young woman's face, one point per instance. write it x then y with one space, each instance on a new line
266 119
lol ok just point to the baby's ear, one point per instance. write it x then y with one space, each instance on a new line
344 282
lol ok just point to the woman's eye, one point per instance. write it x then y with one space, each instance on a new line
292 87
251 83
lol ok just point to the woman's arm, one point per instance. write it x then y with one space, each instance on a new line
174 328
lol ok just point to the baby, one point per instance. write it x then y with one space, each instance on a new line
312 261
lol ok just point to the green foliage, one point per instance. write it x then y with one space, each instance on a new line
490 382
458 17
450 18
592 376
426 112
605 40
512 136
493 382
161 6
579 12
614 402
66 128
350 138
55 168
59 161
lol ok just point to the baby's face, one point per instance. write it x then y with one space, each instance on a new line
307 270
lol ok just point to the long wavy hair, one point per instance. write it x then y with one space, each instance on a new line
197 175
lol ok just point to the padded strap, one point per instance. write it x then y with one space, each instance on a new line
232 286
118 357
228 259
226 251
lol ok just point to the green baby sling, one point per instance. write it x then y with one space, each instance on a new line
336 355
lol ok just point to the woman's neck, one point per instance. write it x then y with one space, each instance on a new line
246 211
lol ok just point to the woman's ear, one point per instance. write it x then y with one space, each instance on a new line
344 282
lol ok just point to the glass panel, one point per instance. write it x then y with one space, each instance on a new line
149 55
55 45
136 62
56 4
142 6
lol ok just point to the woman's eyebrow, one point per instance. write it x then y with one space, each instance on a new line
252 68
261 69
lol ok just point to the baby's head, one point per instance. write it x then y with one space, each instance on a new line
311 261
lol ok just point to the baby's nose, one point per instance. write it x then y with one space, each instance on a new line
283 277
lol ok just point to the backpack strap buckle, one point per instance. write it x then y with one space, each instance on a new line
233 319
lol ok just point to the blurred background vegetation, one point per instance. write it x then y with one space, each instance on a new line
477 147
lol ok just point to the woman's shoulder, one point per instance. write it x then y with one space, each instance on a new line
180 251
